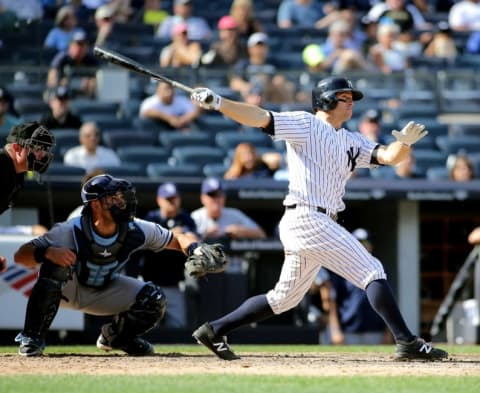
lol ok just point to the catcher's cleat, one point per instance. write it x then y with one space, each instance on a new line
218 345
418 349
30 346
135 347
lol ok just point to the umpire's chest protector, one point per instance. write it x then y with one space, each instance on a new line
98 263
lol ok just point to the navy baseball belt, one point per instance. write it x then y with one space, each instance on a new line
318 209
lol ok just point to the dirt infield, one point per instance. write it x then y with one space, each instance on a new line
288 364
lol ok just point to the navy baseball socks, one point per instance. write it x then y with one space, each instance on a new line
409 347
212 335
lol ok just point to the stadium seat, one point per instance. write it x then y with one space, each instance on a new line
155 171
84 107
171 139
123 138
383 172
452 144
437 173
229 140
125 170
64 140
199 155
108 121
216 123
142 155
27 105
215 170
59 169
426 158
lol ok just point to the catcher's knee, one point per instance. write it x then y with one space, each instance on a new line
151 300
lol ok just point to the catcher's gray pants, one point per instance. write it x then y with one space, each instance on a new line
312 239
117 297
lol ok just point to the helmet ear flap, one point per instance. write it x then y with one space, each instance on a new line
328 101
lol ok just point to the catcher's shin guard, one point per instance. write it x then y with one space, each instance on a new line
148 309
44 300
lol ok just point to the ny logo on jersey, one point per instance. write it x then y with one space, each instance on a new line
352 158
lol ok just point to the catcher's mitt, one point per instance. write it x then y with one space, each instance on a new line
205 259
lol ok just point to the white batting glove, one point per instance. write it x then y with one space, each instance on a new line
206 98
411 133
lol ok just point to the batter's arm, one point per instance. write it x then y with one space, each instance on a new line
243 113
392 154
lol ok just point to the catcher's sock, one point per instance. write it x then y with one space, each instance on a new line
381 299
251 310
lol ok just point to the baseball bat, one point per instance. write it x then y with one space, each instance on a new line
130 64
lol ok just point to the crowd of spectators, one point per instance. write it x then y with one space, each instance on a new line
243 39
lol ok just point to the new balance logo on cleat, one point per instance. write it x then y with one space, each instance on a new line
221 346
426 348
218 345
418 349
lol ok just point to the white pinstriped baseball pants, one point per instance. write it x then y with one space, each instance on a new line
311 240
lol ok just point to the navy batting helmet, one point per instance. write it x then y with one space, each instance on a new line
323 96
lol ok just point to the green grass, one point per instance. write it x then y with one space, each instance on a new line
234 384
227 383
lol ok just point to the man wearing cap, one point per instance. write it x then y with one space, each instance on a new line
217 223
198 28
7 120
59 114
29 148
229 49
76 66
214 220
169 276
256 71
370 126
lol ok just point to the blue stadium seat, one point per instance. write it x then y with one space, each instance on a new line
199 155
216 123
123 138
451 144
27 105
155 171
64 140
228 140
83 106
426 158
143 155
215 170
437 173
171 139
125 170
108 121
59 169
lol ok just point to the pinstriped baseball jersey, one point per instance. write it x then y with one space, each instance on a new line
320 159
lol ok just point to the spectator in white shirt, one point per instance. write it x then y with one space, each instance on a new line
168 109
89 154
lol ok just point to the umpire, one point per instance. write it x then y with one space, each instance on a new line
29 148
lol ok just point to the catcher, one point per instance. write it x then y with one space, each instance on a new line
80 264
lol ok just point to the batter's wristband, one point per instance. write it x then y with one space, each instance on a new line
191 247
39 254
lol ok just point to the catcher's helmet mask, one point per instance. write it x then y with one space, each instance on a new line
35 138
324 95
104 185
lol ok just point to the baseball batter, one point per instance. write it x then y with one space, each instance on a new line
321 157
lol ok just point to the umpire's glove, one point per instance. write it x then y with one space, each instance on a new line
410 134
206 98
